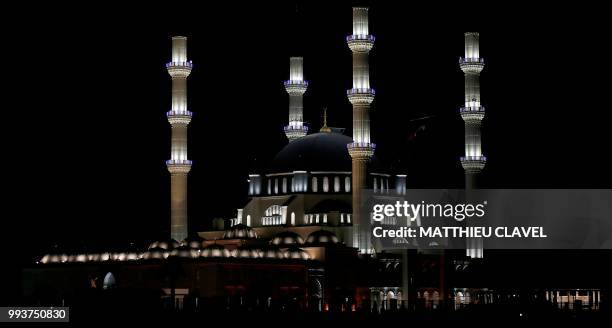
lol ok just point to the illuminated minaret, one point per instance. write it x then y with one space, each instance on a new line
179 117
296 87
361 97
472 113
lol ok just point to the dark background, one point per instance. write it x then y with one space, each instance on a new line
85 109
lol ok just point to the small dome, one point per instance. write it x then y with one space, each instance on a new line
165 244
185 251
246 253
156 253
322 237
95 257
119 256
194 242
295 253
106 256
51 258
287 238
239 231
215 250
272 253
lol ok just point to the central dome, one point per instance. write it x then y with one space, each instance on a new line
315 152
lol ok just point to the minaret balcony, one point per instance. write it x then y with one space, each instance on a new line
295 132
361 150
179 117
178 165
297 87
360 42
179 69
473 164
472 114
471 65
361 95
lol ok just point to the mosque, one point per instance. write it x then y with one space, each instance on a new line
296 244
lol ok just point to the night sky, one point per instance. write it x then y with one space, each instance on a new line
91 91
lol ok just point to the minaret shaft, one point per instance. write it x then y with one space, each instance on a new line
179 95
296 87
472 113
361 97
179 117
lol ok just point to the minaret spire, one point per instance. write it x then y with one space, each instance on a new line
361 97
472 113
296 87
325 128
179 117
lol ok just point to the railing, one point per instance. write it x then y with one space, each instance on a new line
360 37
173 113
478 109
180 64
178 162
356 91
463 60
361 145
296 82
474 158
296 128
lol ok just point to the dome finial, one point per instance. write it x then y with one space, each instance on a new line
325 128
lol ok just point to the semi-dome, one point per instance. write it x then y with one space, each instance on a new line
287 238
239 231
324 151
331 205
322 237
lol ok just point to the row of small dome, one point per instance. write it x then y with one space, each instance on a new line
195 247
210 251
241 231
219 251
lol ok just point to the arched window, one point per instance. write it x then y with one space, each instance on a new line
284 185
292 218
336 184
324 218
276 185
248 220
315 184
269 187
375 184
347 184
325 184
